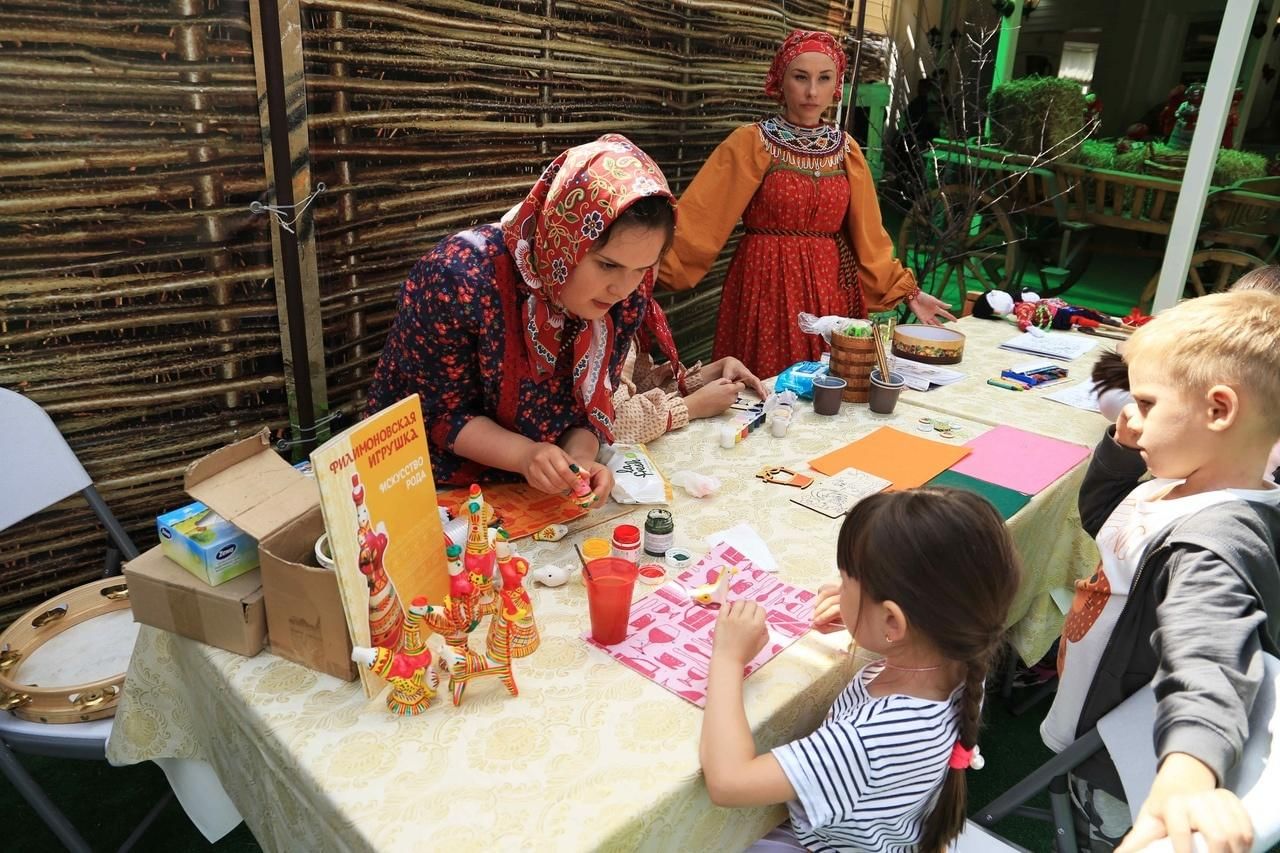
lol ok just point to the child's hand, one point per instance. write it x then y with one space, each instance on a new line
1126 435
826 609
712 399
736 371
546 467
740 632
1184 799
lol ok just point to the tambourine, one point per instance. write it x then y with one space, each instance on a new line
65 660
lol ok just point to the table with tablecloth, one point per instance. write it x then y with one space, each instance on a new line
590 755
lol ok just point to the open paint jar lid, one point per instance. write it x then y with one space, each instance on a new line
678 559
652 574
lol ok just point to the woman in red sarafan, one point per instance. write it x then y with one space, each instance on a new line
813 237
514 334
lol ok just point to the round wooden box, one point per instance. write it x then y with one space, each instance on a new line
852 360
929 344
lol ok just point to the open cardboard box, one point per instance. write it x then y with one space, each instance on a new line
249 485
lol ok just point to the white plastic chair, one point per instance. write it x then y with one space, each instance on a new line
40 470
1255 778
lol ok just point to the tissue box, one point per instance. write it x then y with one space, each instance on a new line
205 544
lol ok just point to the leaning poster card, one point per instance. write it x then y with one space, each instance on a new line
379 504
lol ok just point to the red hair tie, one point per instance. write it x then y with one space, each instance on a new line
965 759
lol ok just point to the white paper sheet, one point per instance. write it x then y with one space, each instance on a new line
744 537
1060 345
1082 395
922 377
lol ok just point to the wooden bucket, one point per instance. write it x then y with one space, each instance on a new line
852 360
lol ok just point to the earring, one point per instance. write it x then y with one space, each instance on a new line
887 640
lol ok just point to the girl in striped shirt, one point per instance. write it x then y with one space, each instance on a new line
927 576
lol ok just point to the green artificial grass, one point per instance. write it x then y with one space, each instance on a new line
1035 115
1231 167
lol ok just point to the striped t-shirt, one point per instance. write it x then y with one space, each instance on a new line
868 777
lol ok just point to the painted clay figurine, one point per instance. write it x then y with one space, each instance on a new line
386 613
550 574
413 682
716 592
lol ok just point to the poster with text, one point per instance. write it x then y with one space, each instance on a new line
379 504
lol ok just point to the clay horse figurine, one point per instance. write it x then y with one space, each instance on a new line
455 620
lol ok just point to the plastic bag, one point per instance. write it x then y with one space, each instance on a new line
697 485
813 325
798 378
636 478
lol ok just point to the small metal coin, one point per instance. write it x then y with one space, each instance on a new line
946 433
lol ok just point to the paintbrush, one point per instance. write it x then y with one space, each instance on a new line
583 560
881 358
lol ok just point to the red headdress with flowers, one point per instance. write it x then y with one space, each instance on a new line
802 41
580 194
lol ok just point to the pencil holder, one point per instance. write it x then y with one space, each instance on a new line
852 360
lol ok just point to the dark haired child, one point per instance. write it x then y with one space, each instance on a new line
927 579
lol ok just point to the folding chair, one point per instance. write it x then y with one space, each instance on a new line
40 470
1255 778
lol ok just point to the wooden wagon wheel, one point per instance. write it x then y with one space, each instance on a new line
956 231
1212 271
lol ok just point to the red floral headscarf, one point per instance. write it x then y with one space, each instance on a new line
802 41
580 194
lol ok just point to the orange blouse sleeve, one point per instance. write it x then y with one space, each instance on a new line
712 205
885 282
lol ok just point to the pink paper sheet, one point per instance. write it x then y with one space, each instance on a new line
1019 460
669 638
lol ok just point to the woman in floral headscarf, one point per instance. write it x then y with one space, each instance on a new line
514 333
814 241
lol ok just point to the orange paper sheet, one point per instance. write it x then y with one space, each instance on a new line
904 460
522 509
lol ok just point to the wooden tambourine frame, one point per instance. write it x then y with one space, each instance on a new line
64 704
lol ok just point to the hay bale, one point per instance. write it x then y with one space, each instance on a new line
1038 115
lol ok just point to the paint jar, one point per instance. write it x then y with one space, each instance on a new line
659 532
728 436
596 549
626 543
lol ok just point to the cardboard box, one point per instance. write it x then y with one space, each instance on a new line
304 611
205 544
249 485
231 616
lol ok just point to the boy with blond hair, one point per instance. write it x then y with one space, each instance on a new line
1187 593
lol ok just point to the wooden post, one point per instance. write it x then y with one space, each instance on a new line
1233 36
282 105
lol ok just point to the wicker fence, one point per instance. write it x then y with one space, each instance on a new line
137 301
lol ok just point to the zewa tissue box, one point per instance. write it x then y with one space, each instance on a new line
205 544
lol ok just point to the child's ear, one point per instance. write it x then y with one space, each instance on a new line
1222 406
895 621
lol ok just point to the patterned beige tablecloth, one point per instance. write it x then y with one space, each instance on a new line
590 756
983 359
